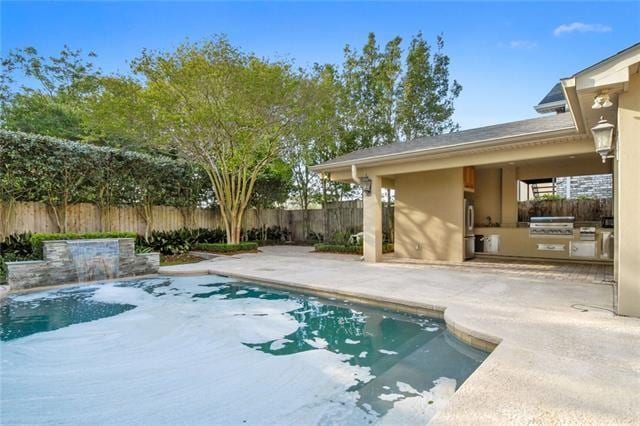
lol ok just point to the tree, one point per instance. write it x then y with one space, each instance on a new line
224 109
369 91
117 115
272 186
53 105
426 106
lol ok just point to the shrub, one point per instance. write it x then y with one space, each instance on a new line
14 248
347 248
17 245
60 173
37 239
227 248
178 241
338 248
165 242
271 233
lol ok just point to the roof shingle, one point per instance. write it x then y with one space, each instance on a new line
507 130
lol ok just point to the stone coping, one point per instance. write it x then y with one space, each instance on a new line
475 338
563 357
10 291
469 336
25 262
90 239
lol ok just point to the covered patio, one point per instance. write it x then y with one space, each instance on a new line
436 178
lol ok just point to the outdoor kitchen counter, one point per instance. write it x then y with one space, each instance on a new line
515 241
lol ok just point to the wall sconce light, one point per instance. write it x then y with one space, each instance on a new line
365 184
603 138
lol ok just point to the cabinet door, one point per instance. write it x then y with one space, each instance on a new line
469 177
583 248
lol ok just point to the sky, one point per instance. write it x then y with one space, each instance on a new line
505 55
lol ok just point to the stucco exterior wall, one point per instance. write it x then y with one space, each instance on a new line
429 215
488 202
627 266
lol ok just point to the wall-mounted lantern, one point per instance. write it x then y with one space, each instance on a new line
603 138
365 184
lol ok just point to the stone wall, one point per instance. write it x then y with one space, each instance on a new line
594 186
58 266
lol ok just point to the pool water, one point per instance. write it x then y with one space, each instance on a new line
211 349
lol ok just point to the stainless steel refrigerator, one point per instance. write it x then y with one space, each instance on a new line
469 233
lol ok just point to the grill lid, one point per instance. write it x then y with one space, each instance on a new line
552 219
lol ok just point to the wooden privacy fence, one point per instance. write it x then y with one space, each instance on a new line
344 217
587 210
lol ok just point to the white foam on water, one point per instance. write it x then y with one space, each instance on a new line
175 359
241 292
390 396
406 388
421 408
431 328
387 352
351 342
317 342
279 344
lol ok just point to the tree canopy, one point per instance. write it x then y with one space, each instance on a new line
251 125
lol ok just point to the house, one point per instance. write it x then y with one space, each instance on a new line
435 177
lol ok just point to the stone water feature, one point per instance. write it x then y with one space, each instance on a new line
73 261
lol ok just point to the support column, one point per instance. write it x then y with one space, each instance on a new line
509 206
372 221
627 199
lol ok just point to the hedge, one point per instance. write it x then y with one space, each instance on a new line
61 173
347 248
227 248
37 239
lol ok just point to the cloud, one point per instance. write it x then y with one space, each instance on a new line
518 44
580 27
522 44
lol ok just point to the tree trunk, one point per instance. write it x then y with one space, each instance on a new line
58 215
325 213
188 219
146 212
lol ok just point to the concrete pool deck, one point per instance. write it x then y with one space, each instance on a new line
563 357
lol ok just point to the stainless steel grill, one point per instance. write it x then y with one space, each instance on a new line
551 226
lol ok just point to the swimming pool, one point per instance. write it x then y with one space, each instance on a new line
211 349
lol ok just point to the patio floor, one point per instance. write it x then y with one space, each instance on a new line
563 356
596 273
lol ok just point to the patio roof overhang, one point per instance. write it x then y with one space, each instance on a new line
609 76
458 149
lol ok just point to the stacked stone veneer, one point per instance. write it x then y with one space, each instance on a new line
58 268
594 186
